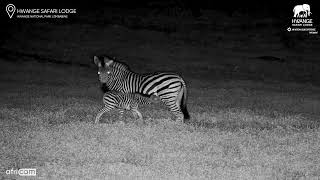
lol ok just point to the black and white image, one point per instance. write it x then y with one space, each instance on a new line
159 89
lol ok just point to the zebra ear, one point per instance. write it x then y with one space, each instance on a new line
96 61
108 63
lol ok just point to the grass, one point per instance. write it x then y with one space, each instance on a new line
243 130
261 128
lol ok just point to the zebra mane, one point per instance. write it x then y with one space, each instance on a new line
115 64
120 65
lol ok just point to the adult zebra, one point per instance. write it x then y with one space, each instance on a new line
170 87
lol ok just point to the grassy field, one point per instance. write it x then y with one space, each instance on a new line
241 130
242 127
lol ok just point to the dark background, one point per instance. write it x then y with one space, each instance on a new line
269 8
266 19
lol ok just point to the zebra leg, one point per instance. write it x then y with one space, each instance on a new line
138 113
178 113
133 109
135 115
175 109
100 113
121 114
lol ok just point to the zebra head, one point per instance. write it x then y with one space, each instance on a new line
104 67
109 69
103 61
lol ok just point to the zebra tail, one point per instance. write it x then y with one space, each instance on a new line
183 104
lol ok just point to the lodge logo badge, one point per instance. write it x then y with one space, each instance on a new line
302 21
302 11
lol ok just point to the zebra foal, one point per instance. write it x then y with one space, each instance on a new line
122 101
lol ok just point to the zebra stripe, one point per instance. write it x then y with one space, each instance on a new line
122 101
170 87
